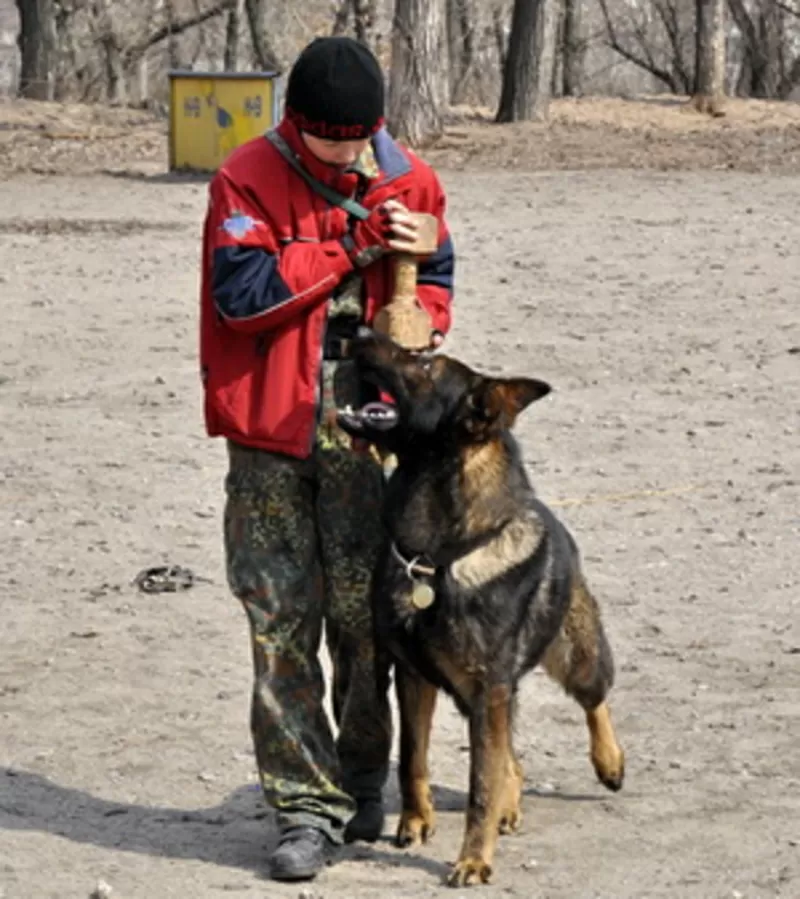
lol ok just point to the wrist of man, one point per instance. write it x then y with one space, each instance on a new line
361 256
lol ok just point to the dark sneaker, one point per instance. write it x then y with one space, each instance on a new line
367 823
301 854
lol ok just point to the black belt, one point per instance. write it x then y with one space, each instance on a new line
336 346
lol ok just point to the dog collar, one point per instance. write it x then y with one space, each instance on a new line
412 567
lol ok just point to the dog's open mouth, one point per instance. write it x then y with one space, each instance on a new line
374 416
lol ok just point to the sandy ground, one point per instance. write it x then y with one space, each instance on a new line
664 309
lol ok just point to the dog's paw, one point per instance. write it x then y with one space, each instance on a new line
469 872
415 828
510 821
609 766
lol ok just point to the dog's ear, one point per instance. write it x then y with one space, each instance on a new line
496 402
516 394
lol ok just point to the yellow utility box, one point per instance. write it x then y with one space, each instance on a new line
212 113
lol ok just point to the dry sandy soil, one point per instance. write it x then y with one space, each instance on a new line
663 307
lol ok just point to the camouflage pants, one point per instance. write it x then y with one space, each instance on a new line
302 538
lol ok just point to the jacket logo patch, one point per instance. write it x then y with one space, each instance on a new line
239 225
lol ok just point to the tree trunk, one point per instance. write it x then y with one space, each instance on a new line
116 87
232 29
66 66
500 38
342 19
768 64
790 80
529 63
557 74
461 47
709 78
364 12
265 57
419 75
113 61
37 47
574 49
173 52
143 81
763 65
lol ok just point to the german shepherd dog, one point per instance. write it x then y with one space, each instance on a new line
480 583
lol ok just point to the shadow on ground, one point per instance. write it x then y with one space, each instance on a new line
238 832
175 177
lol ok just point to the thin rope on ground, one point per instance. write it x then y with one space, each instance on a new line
624 497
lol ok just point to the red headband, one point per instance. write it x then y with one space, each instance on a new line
327 131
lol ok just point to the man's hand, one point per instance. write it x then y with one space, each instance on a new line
370 239
390 228
402 226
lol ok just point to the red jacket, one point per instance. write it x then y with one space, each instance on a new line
271 259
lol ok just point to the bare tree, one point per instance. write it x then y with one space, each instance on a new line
113 50
419 74
528 69
683 45
365 13
37 47
107 37
709 79
232 33
173 51
573 49
107 49
768 71
265 56
665 58
174 27
791 72
461 46
501 39
66 50
341 20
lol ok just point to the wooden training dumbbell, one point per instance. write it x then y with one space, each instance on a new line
403 319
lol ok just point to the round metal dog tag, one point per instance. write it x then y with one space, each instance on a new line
422 595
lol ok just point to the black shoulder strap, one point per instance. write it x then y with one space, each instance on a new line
332 196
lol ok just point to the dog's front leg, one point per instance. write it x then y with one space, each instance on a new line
489 737
416 699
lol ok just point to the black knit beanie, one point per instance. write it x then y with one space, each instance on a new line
335 90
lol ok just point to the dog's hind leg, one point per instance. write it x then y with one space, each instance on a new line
511 810
580 659
417 701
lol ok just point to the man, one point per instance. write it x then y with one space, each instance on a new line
287 276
